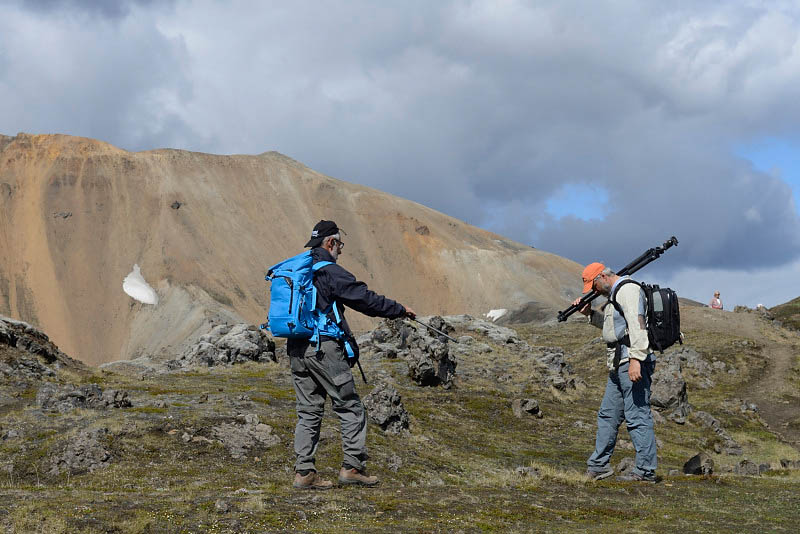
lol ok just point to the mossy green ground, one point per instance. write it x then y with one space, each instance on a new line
788 313
457 466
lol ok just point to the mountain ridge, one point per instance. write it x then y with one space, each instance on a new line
77 213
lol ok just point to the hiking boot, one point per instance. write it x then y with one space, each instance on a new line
599 474
636 477
352 476
311 481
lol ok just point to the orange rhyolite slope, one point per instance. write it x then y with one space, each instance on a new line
76 214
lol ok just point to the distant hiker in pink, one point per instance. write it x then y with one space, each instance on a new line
716 303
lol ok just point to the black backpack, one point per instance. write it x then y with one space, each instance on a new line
662 315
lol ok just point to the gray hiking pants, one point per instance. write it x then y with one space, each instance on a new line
317 375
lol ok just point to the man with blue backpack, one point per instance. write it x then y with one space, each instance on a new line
308 296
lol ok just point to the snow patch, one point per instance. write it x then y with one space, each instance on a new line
136 287
494 315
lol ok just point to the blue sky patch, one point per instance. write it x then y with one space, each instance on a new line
776 157
583 201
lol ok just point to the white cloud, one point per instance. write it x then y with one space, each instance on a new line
484 110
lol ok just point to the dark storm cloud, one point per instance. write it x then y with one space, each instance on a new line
483 110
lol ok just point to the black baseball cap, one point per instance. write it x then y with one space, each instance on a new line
322 230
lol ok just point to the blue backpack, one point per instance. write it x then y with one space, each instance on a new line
293 310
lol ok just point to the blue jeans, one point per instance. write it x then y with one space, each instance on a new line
628 401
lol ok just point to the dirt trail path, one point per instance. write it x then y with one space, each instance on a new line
777 397
776 390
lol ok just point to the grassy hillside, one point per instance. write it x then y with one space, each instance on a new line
788 313
457 470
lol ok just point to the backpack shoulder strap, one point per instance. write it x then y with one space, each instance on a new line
320 264
613 298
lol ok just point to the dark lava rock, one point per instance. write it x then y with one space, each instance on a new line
625 465
699 464
428 356
86 452
668 391
65 398
748 468
25 337
729 445
431 366
228 345
385 409
522 407
239 438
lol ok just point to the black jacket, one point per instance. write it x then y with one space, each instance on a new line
335 283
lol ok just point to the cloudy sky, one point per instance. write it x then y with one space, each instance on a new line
590 129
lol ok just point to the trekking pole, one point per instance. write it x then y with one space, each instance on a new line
363 376
650 255
434 329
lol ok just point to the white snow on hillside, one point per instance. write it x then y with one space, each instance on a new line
494 315
136 287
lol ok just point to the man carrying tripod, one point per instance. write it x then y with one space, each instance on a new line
631 364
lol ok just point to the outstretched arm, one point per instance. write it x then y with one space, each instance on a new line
356 295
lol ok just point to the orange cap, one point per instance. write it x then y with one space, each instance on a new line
590 273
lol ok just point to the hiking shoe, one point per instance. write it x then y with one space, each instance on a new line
636 477
311 481
599 475
353 476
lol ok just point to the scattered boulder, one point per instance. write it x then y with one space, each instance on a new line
429 360
625 465
527 472
522 407
239 438
25 337
668 391
581 425
385 409
395 463
221 506
12 434
498 334
25 369
432 366
228 345
790 464
699 464
557 372
67 397
442 326
747 468
728 445
697 366
760 309
86 452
